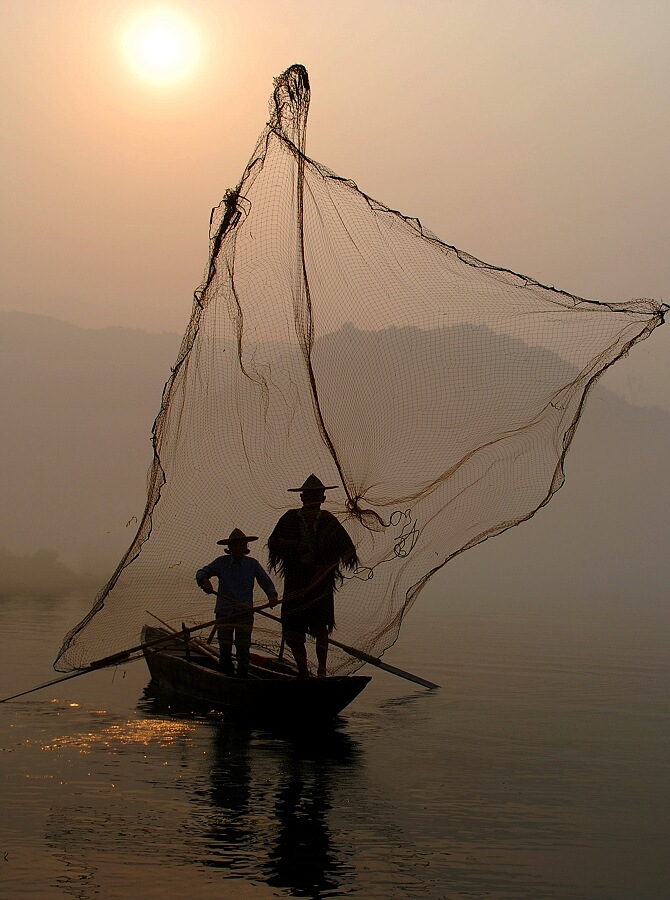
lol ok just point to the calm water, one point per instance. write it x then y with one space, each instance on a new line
541 769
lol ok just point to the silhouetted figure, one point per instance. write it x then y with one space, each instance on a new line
236 573
308 546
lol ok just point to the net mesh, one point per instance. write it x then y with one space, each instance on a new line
334 335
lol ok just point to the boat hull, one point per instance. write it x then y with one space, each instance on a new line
268 697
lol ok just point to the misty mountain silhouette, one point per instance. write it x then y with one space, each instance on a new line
77 410
602 538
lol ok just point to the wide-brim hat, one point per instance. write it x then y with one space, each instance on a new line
314 484
237 535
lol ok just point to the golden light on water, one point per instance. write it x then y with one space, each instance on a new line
161 45
133 731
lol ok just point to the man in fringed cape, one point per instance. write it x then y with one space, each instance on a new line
308 547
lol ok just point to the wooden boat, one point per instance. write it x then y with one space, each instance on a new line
272 694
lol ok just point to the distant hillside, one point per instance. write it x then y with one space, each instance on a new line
77 409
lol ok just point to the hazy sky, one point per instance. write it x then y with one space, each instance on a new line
533 134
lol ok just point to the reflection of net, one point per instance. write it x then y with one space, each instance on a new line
333 335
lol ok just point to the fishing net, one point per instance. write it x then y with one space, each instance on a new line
336 336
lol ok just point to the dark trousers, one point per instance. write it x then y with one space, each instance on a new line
240 635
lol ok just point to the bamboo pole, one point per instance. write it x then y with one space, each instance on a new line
116 659
368 658
352 651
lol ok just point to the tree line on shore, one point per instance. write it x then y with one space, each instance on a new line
41 575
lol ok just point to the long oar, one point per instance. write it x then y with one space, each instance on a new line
49 683
352 651
366 657
375 661
113 660
117 658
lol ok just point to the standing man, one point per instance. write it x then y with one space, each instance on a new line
236 573
308 546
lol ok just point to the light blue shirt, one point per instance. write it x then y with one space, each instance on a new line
236 579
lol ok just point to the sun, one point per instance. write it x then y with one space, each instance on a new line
161 45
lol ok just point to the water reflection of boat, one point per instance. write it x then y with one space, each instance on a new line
271 809
271 694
